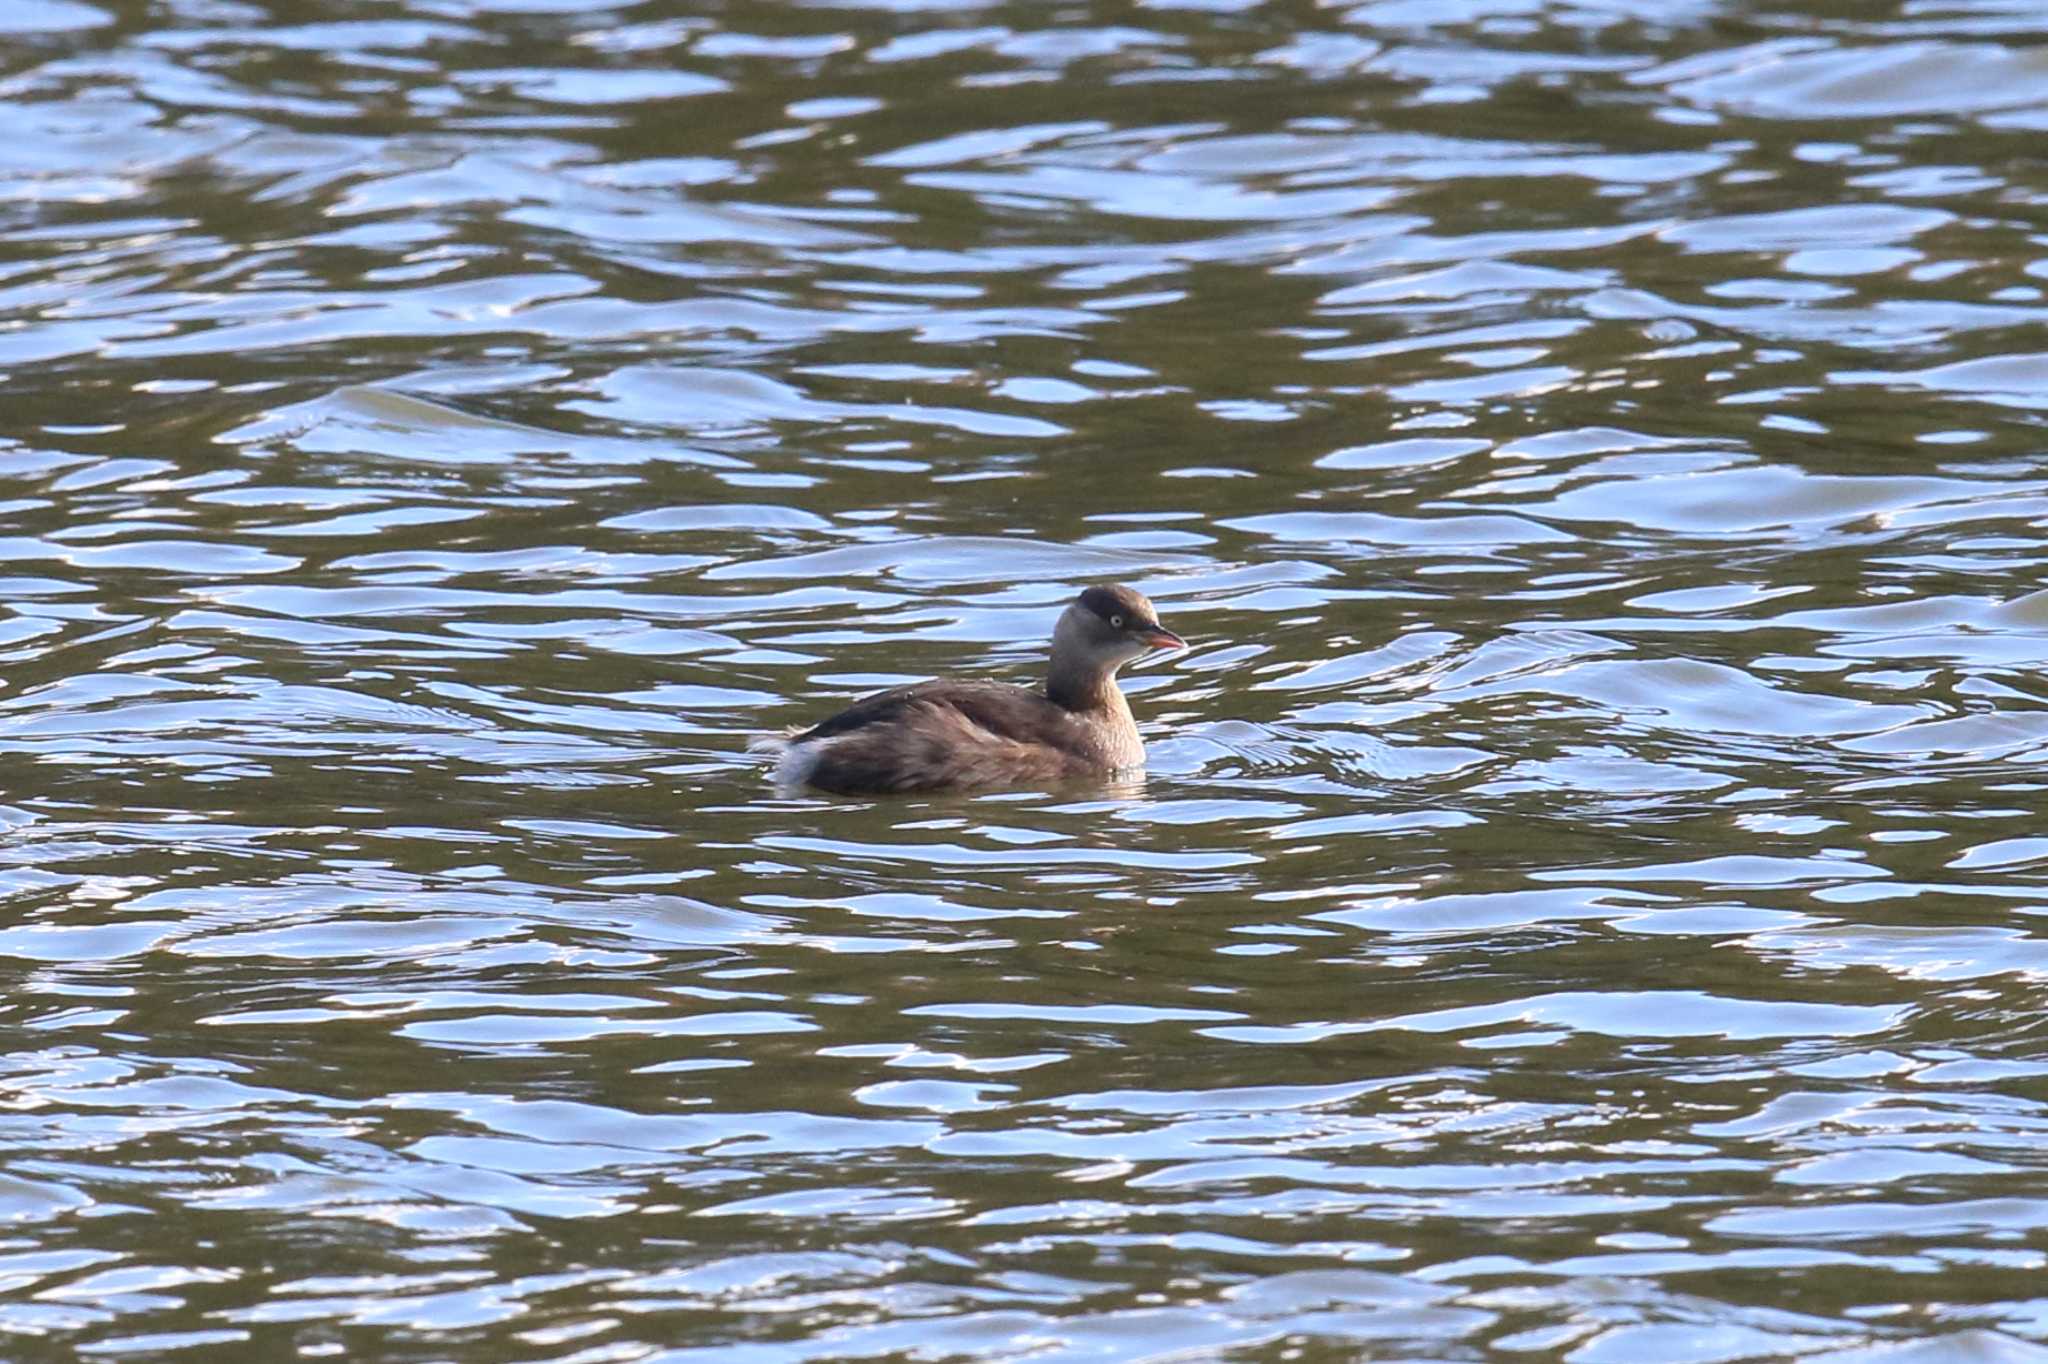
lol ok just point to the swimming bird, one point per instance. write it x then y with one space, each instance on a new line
944 736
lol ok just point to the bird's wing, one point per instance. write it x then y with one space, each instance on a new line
1007 711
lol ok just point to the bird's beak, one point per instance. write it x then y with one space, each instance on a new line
1160 638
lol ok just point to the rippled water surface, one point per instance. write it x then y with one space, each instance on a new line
1587 901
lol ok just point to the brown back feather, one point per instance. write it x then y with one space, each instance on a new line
932 741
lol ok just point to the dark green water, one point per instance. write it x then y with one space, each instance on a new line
1587 901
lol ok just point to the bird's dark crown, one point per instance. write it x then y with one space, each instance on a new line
1118 600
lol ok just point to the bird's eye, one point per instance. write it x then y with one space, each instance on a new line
1116 622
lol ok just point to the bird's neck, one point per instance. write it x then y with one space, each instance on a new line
1076 686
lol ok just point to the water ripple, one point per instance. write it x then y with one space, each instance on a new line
1584 900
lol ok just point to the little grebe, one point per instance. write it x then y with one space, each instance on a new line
937 736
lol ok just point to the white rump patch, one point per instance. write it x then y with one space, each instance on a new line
794 763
